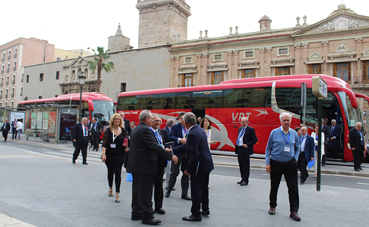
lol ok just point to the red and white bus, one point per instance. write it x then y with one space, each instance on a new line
261 100
94 104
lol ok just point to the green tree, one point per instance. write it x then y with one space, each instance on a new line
98 62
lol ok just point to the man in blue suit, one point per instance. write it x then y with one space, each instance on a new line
306 153
335 138
177 136
200 164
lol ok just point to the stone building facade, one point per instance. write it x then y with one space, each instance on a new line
14 56
337 45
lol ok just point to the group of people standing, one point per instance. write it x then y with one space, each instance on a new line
16 128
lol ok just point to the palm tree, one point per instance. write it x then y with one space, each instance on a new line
98 61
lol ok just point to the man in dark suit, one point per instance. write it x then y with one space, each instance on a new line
162 163
199 166
327 134
244 148
5 129
95 133
177 136
14 129
80 140
356 139
126 126
334 138
166 131
306 153
142 163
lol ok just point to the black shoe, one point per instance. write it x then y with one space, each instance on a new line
167 194
186 197
191 218
357 169
151 221
323 164
160 211
93 149
302 183
135 217
205 213
85 163
243 183
74 161
360 168
239 182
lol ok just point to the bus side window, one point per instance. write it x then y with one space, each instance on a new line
128 103
166 101
148 102
233 98
183 100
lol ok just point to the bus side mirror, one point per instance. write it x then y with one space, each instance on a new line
91 106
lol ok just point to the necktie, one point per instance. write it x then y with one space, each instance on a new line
240 135
158 136
332 130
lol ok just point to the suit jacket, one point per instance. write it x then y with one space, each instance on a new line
327 132
355 140
7 127
77 134
162 162
144 150
127 127
309 147
99 128
336 133
165 132
175 134
198 152
13 125
249 138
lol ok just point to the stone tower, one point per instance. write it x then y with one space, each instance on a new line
118 42
265 23
162 22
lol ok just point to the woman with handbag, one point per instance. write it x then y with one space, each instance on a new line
114 149
315 136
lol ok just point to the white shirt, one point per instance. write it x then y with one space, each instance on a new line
303 143
240 139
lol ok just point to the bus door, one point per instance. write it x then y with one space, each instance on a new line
199 113
332 111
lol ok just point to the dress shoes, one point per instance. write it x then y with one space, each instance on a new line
186 197
135 217
243 183
302 183
357 169
205 213
239 182
360 168
191 218
74 161
151 221
85 163
271 211
295 216
167 194
160 211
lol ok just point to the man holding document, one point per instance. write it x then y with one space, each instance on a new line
199 167
306 153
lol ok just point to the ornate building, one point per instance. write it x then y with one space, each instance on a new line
337 45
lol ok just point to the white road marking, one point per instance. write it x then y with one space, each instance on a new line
362 183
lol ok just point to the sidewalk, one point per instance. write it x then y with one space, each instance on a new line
226 159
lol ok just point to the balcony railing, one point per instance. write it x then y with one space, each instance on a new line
3 59
12 95
1 84
9 57
15 55
6 96
14 68
13 81
7 83
7 70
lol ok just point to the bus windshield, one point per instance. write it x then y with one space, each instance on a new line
103 111
353 115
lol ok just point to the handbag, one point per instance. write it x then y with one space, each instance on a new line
125 142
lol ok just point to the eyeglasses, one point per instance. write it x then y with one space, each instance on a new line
116 119
157 121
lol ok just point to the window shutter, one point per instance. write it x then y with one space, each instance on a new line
212 77
334 69
310 69
365 72
349 72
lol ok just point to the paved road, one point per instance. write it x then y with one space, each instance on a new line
43 188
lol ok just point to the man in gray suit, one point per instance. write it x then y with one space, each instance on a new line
142 163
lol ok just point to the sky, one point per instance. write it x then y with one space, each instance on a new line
80 24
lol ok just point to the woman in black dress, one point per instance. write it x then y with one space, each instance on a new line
113 153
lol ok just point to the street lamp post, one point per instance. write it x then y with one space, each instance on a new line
82 79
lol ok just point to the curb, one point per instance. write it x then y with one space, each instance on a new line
330 172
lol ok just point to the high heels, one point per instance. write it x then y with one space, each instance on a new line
117 200
110 193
